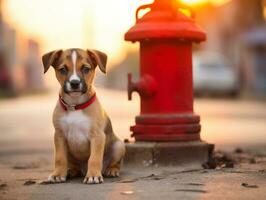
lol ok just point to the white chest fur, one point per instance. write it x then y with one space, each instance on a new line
76 127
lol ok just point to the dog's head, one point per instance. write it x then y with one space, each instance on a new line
75 68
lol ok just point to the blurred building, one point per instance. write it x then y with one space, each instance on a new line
20 67
226 26
33 67
254 59
5 75
117 75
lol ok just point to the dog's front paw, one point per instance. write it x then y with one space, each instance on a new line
93 178
57 177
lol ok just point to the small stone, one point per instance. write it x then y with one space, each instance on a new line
191 190
21 166
29 182
3 185
239 150
252 161
196 184
149 176
211 164
248 185
127 192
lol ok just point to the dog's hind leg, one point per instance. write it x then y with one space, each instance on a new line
113 159
75 168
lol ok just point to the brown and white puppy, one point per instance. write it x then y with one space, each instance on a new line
84 140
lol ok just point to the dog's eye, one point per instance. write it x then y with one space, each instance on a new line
85 69
63 70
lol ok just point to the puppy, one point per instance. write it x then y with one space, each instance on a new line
85 143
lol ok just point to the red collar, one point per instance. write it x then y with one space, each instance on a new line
67 107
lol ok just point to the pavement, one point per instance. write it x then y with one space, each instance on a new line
22 175
26 153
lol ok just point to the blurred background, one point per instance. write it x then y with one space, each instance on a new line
229 69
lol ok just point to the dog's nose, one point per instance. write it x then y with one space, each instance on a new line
74 84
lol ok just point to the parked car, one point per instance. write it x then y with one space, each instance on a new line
214 75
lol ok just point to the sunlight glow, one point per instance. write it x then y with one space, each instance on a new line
95 24
57 24
199 2
194 1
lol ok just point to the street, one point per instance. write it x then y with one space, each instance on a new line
26 122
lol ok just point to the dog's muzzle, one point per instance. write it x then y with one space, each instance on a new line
75 86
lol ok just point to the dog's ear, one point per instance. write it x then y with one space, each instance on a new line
98 58
50 59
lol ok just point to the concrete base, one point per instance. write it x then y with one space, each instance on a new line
146 154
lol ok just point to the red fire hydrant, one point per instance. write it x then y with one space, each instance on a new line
166 84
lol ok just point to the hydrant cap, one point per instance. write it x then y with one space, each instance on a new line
165 23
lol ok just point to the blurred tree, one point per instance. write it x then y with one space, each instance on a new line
248 14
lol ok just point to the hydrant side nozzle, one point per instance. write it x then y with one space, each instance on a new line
146 86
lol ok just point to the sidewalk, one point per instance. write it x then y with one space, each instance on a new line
247 180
